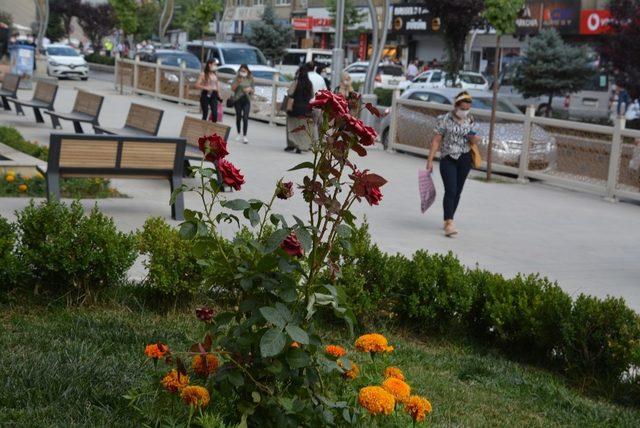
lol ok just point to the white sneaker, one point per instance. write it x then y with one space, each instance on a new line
245 140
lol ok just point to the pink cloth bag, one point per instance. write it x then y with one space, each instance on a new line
427 189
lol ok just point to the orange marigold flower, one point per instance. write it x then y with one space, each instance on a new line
417 407
353 373
373 343
398 388
200 368
376 400
196 396
174 381
294 345
156 350
393 372
335 351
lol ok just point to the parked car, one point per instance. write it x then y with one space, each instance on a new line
227 53
439 79
387 76
173 58
64 61
507 144
294 58
263 94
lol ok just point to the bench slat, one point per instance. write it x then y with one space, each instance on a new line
193 129
45 92
88 103
147 156
10 83
144 118
88 153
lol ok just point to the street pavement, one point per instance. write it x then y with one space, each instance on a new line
586 244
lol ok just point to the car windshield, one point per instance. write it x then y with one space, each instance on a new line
473 79
390 70
292 58
243 56
61 51
175 60
262 74
485 104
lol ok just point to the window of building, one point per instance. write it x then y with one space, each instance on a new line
258 2
283 2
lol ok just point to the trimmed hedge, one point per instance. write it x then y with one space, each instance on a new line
96 58
8 261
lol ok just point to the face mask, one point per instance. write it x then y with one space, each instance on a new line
213 69
462 114
243 74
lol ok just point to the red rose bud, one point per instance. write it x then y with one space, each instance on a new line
204 314
231 175
213 146
366 185
284 190
366 134
374 111
292 246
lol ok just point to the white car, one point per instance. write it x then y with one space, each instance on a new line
294 58
64 61
387 76
438 79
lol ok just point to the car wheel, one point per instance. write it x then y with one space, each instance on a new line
544 110
84 78
384 138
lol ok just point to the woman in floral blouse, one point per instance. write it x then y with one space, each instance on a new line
455 132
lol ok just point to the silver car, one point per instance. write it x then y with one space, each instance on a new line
416 127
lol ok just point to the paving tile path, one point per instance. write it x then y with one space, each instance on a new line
585 243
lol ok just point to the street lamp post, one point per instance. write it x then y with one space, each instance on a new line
337 61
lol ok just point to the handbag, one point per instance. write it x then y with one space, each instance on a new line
427 190
476 157
231 102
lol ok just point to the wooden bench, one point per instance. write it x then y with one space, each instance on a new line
141 121
86 109
9 89
43 98
192 130
116 156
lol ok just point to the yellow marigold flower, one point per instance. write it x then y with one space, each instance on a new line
294 345
156 350
393 372
376 400
199 367
373 343
196 396
335 351
174 381
22 188
353 373
398 388
10 178
417 407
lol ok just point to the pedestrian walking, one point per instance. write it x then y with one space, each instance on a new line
455 133
243 87
209 93
300 122
345 88
412 70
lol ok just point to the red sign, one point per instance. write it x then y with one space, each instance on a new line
595 22
362 47
322 22
302 23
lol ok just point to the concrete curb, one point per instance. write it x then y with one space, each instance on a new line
101 67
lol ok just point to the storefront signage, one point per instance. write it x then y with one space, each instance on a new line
563 15
595 22
302 24
362 47
413 18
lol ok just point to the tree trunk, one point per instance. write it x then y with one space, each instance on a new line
548 112
494 105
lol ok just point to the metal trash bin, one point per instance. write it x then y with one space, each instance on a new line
22 59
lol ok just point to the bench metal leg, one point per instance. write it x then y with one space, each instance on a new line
53 187
177 209
55 122
38 115
77 127
19 110
5 103
97 131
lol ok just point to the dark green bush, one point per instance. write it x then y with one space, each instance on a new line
437 292
96 58
171 263
8 261
65 252
523 314
601 339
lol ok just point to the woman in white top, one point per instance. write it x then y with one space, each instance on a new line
209 97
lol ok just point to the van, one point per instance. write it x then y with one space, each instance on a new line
294 58
227 53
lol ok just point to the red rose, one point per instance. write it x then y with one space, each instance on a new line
367 185
230 174
213 146
366 134
374 111
326 100
292 246
284 190
204 314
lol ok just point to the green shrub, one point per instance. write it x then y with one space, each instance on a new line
385 96
601 339
66 252
12 138
437 291
171 263
523 314
8 262
96 58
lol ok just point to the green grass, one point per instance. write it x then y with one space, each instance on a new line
71 367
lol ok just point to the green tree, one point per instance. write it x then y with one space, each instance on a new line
352 16
202 14
551 68
148 16
271 37
6 18
502 15
96 21
458 17
126 15
63 11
